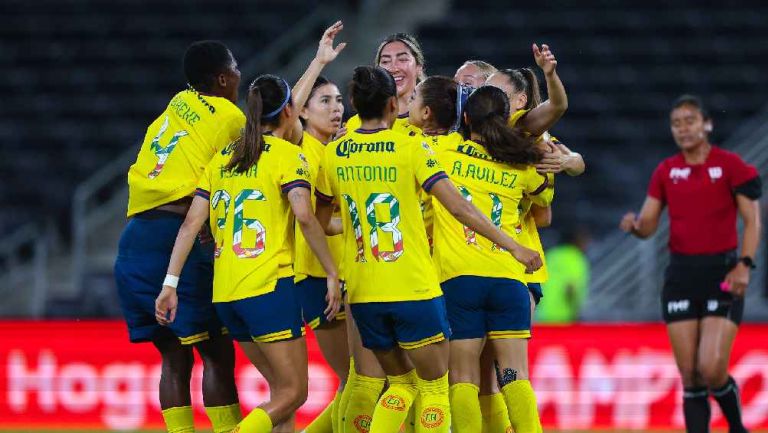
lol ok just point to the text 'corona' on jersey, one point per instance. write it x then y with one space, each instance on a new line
347 147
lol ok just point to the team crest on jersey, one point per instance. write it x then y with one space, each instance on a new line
715 173
426 147
432 417
362 423
679 173
393 402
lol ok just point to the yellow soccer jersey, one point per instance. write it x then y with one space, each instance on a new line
251 219
401 125
495 188
177 147
516 116
529 235
437 143
375 177
306 263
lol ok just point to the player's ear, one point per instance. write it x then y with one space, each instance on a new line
426 113
222 80
708 126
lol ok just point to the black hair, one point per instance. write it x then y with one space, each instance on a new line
319 82
267 97
439 94
524 80
370 89
693 101
487 114
414 47
203 61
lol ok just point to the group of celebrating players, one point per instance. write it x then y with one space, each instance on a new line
406 234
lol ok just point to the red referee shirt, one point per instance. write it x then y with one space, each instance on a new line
701 200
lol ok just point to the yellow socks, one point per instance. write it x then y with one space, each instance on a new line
465 408
392 408
325 421
257 421
179 419
434 412
521 404
495 415
341 408
409 425
363 392
224 419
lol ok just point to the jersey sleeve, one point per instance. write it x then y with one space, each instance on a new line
425 165
539 188
294 171
743 178
204 183
323 191
656 186
230 130
516 116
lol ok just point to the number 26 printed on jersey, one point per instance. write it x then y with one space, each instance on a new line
220 201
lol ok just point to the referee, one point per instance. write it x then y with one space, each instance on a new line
704 188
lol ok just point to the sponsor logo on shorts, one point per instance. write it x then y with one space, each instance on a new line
712 305
362 423
432 417
678 306
393 402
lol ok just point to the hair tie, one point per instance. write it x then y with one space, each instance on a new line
285 102
462 95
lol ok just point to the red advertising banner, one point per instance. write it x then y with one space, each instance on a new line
86 375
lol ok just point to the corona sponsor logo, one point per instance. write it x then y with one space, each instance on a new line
432 417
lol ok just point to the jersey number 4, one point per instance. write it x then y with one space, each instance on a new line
375 226
163 152
221 198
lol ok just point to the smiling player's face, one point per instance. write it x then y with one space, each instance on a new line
397 58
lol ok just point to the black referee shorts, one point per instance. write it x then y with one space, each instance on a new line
692 288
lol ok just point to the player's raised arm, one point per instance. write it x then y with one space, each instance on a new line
326 53
543 117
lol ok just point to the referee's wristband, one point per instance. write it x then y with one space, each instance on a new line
171 281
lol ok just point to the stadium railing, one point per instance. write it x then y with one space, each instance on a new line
24 276
627 273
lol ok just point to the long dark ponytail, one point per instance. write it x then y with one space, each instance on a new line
266 93
487 113
524 80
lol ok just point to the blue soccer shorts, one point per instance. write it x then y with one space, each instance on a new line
311 292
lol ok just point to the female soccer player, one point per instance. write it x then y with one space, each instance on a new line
197 123
401 55
392 287
251 191
484 288
474 73
321 116
703 296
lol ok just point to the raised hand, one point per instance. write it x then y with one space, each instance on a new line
326 53
544 58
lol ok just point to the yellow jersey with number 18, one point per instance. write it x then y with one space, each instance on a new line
496 188
251 219
375 176
306 263
177 147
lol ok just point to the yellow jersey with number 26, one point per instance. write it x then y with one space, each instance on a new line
251 219
375 176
